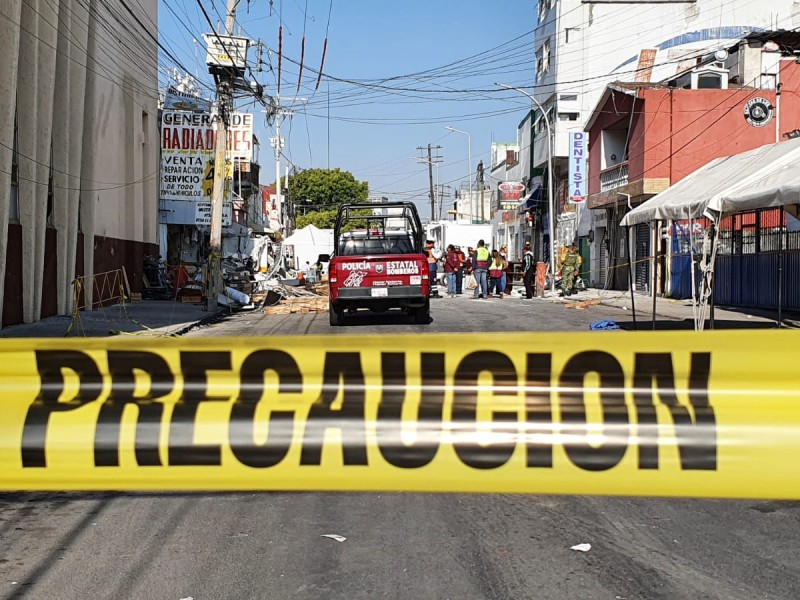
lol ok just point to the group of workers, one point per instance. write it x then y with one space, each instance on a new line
489 268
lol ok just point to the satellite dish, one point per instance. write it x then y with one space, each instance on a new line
721 55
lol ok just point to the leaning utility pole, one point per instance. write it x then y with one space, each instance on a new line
431 160
223 107
217 198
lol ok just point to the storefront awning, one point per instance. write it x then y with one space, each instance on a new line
531 200
765 177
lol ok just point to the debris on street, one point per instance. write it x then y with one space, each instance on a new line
302 305
582 305
333 536
581 547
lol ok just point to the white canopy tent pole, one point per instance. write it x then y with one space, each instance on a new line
692 269
707 283
654 275
630 275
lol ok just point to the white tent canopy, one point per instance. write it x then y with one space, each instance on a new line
309 242
765 177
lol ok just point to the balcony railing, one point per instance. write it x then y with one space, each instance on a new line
614 177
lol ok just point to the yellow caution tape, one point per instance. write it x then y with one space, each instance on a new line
668 414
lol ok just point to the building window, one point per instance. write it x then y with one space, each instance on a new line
541 125
568 98
544 6
546 57
615 147
567 116
539 64
709 82
543 58
13 209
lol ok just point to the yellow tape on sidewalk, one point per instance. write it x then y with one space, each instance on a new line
673 414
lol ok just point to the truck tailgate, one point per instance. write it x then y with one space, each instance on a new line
379 276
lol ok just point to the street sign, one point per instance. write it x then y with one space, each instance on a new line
511 191
578 151
202 215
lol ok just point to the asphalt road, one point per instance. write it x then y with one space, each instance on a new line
460 314
243 546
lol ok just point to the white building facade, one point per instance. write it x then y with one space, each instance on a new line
78 148
582 45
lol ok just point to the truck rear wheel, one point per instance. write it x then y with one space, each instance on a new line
336 316
422 315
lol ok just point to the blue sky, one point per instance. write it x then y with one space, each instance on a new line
395 74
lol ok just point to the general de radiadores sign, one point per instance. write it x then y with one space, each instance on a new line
187 152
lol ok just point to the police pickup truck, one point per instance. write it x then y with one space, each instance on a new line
378 262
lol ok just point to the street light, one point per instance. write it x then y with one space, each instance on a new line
549 183
469 169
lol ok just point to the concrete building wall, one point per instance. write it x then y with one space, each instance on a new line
597 42
81 77
10 15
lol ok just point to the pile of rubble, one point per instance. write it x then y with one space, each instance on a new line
278 290
276 298
298 305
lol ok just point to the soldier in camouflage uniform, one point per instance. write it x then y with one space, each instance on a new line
570 268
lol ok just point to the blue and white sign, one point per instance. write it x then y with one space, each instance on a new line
578 153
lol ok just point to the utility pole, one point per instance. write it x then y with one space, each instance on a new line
223 107
430 180
480 182
431 160
277 143
441 196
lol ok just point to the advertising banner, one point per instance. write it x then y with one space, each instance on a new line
511 191
187 152
174 99
240 140
203 214
578 153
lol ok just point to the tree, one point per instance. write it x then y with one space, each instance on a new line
324 219
317 189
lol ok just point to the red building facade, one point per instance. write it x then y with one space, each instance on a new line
645 137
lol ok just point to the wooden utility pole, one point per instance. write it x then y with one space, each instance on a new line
430 161
441 196
223 108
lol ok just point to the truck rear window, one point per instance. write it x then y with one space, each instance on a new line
388 244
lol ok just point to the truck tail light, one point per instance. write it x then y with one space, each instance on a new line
332 273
